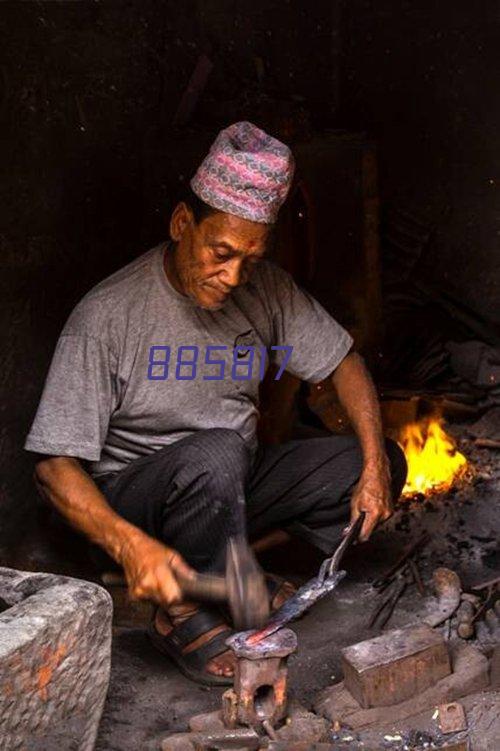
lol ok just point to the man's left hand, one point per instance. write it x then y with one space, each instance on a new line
372 495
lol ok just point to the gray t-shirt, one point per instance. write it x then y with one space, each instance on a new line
115 392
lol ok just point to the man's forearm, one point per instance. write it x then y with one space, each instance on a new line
74 494
357 394
151 568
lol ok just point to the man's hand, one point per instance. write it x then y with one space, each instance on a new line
150 569
373 496
149 565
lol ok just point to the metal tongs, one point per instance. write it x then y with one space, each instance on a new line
315 589
330 565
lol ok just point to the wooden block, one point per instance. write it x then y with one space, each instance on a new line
395 666
452 717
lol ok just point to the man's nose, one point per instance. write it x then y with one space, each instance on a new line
232 272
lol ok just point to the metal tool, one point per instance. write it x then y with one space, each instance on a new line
410 552
243 587
315 589
384 610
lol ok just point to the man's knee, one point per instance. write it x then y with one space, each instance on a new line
350 448
223 458
226 450
399 467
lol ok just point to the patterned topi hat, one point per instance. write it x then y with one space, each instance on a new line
246 172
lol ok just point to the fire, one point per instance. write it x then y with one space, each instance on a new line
434 461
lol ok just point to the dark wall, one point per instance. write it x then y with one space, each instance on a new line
423 79
92 161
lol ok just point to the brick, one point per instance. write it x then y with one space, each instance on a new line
452 717
394 667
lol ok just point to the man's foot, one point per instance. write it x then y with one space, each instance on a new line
279 590
222 664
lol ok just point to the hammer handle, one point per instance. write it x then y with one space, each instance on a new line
204 587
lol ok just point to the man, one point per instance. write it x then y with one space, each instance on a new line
146 430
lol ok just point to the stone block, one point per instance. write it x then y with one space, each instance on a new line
393 667
55 656
207 721
470 674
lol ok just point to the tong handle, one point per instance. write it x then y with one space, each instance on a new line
352 533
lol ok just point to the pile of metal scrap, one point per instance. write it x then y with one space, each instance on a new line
464 614
478 615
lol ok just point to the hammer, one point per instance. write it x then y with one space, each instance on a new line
243 587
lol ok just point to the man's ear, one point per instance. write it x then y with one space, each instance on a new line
181 218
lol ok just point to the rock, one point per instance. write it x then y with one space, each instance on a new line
178 742
495 668
207 721
303 725
55 658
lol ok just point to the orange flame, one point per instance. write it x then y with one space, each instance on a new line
434 462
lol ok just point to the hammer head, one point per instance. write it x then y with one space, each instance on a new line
246 586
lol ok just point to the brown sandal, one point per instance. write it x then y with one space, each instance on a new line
193 664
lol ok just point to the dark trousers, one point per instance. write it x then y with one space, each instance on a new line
197 492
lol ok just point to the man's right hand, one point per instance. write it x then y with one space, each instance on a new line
150 569
149 565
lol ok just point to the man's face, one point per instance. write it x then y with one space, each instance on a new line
214 256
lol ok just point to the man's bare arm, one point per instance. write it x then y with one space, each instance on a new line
148 564
358 396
